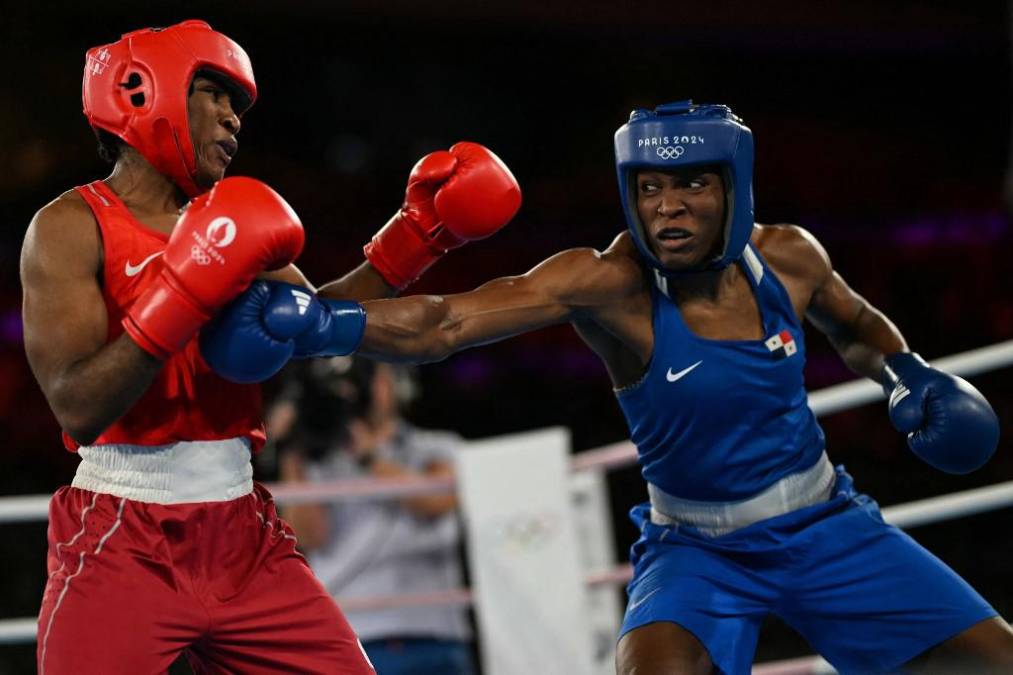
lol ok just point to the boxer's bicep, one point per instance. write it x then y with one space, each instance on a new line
859 332
827 300
559 290
88 381
834 306
63 310
844 316
432 327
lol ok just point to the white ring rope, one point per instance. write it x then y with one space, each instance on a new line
13 631
395 487
853 394
807 665
823 402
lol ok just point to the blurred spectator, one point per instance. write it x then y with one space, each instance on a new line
341 418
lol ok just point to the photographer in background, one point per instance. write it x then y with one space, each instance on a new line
341 418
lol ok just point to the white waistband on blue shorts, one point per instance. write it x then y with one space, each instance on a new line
713 519
178 473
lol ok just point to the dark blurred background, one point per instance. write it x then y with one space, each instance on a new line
881 127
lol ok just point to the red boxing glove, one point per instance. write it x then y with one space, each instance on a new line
228 235
453 197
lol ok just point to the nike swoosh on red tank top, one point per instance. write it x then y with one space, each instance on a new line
186 401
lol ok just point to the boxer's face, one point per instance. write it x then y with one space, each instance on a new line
213 128
683 213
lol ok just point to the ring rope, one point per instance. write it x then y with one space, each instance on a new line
824 402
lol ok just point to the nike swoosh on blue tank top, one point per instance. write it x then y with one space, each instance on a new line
738 422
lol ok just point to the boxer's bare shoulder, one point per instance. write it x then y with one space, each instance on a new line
618 326
64 313
64 235
69 207
798 259
623 256
598 279
792 250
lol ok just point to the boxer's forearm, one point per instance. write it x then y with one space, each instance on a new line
870 337
362 283
413 329
94 392
426 328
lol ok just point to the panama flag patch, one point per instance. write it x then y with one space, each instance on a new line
782 345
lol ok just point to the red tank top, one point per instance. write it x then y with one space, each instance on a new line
186 401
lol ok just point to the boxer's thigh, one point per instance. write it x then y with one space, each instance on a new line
869 598
111 604
689 609
277 617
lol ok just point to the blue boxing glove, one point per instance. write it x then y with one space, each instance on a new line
948 423
272 322
317 326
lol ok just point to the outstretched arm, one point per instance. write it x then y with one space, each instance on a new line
432 327
270 324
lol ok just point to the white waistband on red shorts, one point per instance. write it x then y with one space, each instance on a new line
178 473
713 519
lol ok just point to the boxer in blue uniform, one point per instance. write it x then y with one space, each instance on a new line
697 313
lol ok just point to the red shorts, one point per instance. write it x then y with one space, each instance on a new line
133 584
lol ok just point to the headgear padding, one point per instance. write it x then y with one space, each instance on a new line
137 88
682 134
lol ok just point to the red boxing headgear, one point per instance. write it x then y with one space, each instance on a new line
137 88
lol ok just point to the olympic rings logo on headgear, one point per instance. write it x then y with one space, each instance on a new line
670 151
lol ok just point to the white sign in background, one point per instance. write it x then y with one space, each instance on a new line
525 558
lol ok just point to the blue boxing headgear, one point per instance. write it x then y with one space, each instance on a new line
676 135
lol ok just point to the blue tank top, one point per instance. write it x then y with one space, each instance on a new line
721 420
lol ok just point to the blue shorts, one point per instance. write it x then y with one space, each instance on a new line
863 593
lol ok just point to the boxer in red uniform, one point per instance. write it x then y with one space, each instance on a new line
164 544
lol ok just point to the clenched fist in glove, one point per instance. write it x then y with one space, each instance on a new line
230 234
454 196
256 334
948 423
